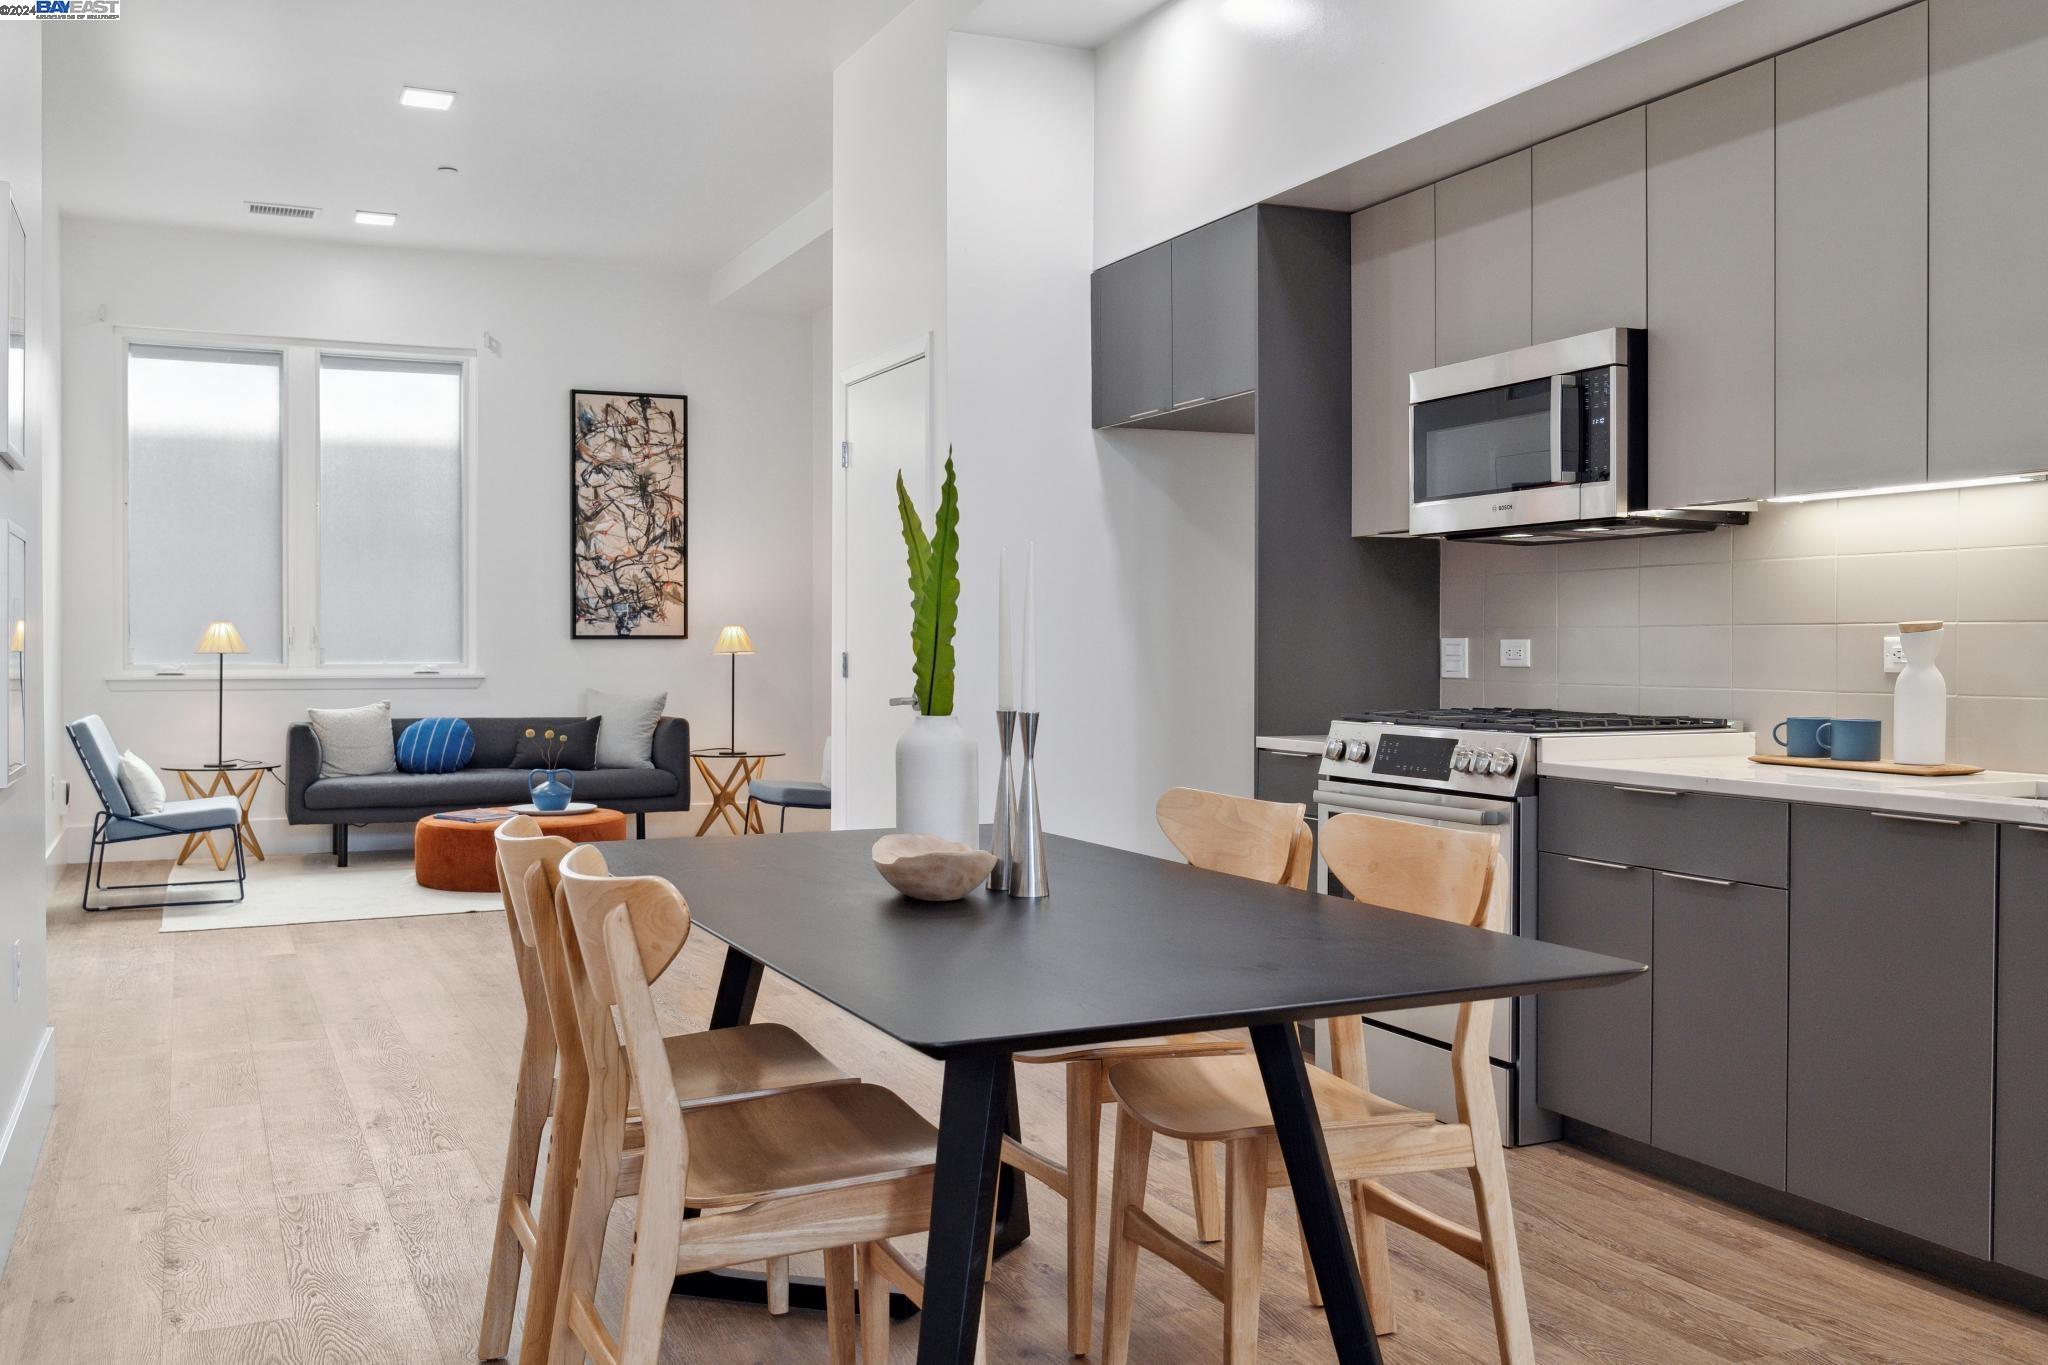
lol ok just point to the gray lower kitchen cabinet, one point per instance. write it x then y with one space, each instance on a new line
1132 321
2019 1216
1709 267
1987 284
1735 837
1852 258
1393 334
1718 986
1482 260
1586 259
1215 309
1593 1047
1890 1051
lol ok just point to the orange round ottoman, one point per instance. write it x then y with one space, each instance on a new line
458 855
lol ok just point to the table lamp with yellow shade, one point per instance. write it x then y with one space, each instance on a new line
221 639
733 641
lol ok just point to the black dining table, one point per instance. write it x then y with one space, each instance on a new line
1125 946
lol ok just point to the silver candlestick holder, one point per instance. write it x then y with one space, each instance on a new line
1027 830
1006 805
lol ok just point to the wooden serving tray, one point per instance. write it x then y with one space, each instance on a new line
1910 769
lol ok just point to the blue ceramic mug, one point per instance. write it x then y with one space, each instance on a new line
1855 741
1804 736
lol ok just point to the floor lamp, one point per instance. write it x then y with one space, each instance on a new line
220 640
733 641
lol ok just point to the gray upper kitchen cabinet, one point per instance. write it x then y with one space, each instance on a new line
1710 273
1987 295
1393 334
2019 1218
1482 260
1593 1047
1718 973
1215 309
1587 225
1890 1053
1132 321
1852 258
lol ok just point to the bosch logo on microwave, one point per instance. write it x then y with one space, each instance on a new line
1503 507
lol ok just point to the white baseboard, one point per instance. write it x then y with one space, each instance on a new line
21 1141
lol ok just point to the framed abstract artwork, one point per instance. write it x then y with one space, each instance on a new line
629 547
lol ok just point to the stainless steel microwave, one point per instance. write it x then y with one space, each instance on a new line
1545 443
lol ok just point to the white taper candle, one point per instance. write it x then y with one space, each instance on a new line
1029 700
1006 681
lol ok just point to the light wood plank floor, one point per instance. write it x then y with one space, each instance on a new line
281 1146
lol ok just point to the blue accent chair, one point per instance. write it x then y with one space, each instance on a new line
779 791
118 823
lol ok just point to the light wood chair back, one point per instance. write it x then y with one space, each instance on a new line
1233 834
522 847
1444 874
660 919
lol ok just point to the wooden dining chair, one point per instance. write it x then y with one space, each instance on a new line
1420 869
1264 840
735 1063
829 1168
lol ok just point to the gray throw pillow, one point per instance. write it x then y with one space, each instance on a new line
355 741
574 745
626 738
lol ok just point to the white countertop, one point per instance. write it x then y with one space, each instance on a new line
1291 744
1720 763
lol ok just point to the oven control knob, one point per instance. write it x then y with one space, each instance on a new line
1461 760
1357 751
1500 763
1334 751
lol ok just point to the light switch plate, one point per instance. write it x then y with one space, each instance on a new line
1894 655
1514 654
1454 654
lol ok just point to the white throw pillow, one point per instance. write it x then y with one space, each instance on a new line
355 741
140 784
625 733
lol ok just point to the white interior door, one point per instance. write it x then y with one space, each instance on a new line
887 428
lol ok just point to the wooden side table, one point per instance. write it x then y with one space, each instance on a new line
727 791
238 779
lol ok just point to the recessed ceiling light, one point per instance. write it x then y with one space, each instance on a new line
418 97
372 218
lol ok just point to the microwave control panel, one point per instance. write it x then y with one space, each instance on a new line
1596 405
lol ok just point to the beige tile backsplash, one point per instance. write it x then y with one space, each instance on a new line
1780 617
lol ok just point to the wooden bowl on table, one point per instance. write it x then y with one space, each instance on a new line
925 867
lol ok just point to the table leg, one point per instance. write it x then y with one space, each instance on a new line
971 1113
1300 1133
192 841
247 796
739 983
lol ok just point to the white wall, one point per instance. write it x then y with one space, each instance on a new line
1206 106
27 1062
1144 538
562 325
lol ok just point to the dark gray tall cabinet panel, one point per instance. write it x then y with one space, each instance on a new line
2019 1219
1132 321
1215 309
1987 297
1852 258
1587 218
1482 260
1341 623
1718 986
1594 1063
1893 966
1710 270
1393 334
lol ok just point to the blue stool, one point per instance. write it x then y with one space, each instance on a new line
776 791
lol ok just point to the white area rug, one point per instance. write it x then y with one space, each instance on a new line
310 889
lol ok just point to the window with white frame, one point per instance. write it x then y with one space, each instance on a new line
313 495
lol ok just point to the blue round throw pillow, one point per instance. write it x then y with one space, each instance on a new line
438 744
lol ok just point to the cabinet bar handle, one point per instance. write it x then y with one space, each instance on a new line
2037 829
1596 862
1688 877
1148 412
1916 819
1650 791
1190 402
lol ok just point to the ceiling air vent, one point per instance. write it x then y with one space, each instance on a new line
281 210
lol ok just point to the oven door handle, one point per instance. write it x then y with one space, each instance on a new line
1564 428
1418 810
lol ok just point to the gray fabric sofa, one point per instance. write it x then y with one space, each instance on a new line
489 780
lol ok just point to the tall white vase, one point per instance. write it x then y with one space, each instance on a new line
1920 701
938 787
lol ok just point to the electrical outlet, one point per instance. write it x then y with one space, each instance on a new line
1514 654
1454 655
1894 655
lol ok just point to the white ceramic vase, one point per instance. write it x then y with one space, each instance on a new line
938 787
1920 701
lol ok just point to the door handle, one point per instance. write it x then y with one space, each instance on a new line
1597 862
1688 877
903 701
1916 819
1650 791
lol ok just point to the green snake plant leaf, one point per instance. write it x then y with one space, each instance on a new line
920 553
942 595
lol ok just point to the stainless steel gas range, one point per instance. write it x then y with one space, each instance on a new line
1462 767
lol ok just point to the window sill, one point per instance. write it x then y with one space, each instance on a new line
289 680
